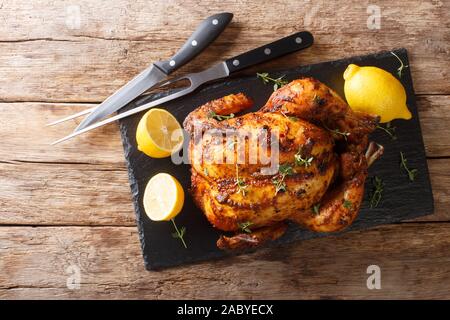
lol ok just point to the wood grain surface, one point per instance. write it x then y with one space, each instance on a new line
71 204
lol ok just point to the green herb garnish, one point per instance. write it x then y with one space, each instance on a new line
280 185
284 170
219 117
179 233
336 131
377 191
278 82
389 129
244 226
347 204
205 171
240 183
412 173
316 208
402 66
302 161
292 118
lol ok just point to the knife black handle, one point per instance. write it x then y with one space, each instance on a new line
205 34
289 44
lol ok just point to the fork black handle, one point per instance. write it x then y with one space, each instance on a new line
289 44
202 37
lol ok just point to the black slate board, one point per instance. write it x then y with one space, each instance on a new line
401 200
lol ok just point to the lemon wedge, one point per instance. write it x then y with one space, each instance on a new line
375 91
163 197
159 134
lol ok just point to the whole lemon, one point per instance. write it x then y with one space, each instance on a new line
375 91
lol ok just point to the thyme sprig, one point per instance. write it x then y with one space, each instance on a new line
376 192
244 226
402 66
292 118
278 82
412 173
389 129
280 185
284 170
302 161
316 208
179 233
218 117
240 183
337 131
347 204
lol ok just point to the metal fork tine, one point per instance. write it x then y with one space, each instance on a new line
218 71
82 113
173 80
146 106
73 116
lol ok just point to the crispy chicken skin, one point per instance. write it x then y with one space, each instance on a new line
310 120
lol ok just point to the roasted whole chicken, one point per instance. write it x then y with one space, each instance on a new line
322 154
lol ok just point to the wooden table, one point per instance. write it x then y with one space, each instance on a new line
70 205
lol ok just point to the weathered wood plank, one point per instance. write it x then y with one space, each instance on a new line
54 62
104 146
83 194
25 137
440 184
414 262
144 20
52 194
434 113
84 183
97 181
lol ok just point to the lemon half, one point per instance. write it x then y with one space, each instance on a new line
163 197
375 91
159 134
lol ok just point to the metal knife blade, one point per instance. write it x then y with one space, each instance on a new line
144 81
217 71
289 44
200 39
